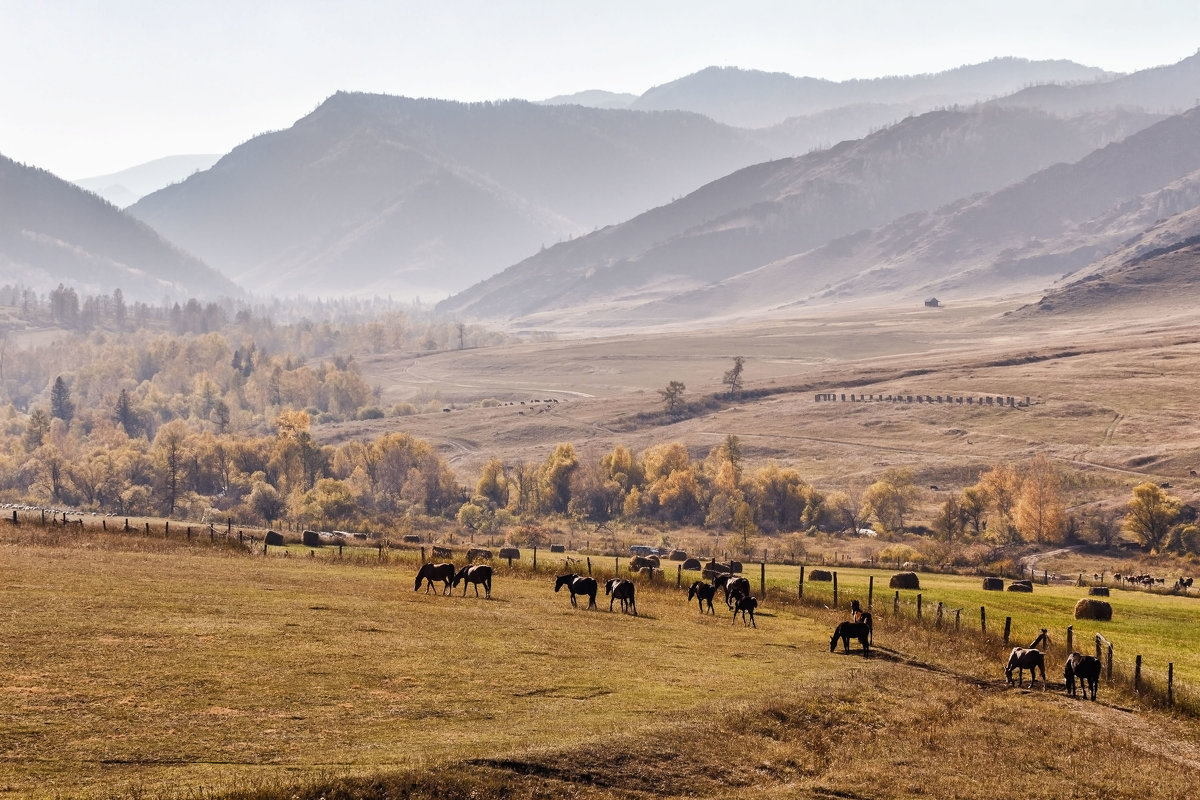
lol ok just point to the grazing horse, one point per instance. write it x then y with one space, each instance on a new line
435 572
851 630
1085 668
476 574
732 583
1023 658
578 584
622 590
745 604
703 592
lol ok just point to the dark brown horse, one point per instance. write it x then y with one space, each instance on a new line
703 592
851 630
476 574
1024 658
578 584
746 605
1084 668
858 615
435 572
622 590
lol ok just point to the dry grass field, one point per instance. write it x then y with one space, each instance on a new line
148 667
1113 399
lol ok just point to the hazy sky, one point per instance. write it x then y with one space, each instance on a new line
89 87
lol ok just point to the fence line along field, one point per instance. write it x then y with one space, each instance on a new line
153 666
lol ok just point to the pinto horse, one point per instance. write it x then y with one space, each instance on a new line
435 572
732 584
851 630
1085 668
578 584
622 590
1024 658
703 592
476 574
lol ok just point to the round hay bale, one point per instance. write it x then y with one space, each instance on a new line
311 539
905 580
275 538
993 584
510 552
820 575
735 567
692 563
1098 591
1021 586
1087 608
412 538
678 555
558 548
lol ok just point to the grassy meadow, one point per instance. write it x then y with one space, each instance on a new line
141 666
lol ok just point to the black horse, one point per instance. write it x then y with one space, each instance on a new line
1024 658
578 584
851 630
1085 668
477 574
746 605
435 572
622 590
732 583
858 615
703 592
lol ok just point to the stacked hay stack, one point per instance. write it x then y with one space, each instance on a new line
993 584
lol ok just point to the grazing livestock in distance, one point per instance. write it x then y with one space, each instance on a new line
480 573
732 584
622 590
703 592
578 584
744 604
1085 668
851 630
435 572
1021 659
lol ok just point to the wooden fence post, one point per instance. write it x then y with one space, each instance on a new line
918 605
762 576
835 589
1109 665
801 581
896 603
589 560
939 614
535 557
1171 683
679 577
167 528
1007 629
1137 674
147 528
1070 640
983 620
957 611
870 590
617 567
422 554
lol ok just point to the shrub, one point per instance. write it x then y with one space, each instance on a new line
370 412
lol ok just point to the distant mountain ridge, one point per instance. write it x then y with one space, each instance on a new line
52 232
772 211
373 193
126 187
756 99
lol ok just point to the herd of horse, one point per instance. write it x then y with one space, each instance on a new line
736 593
